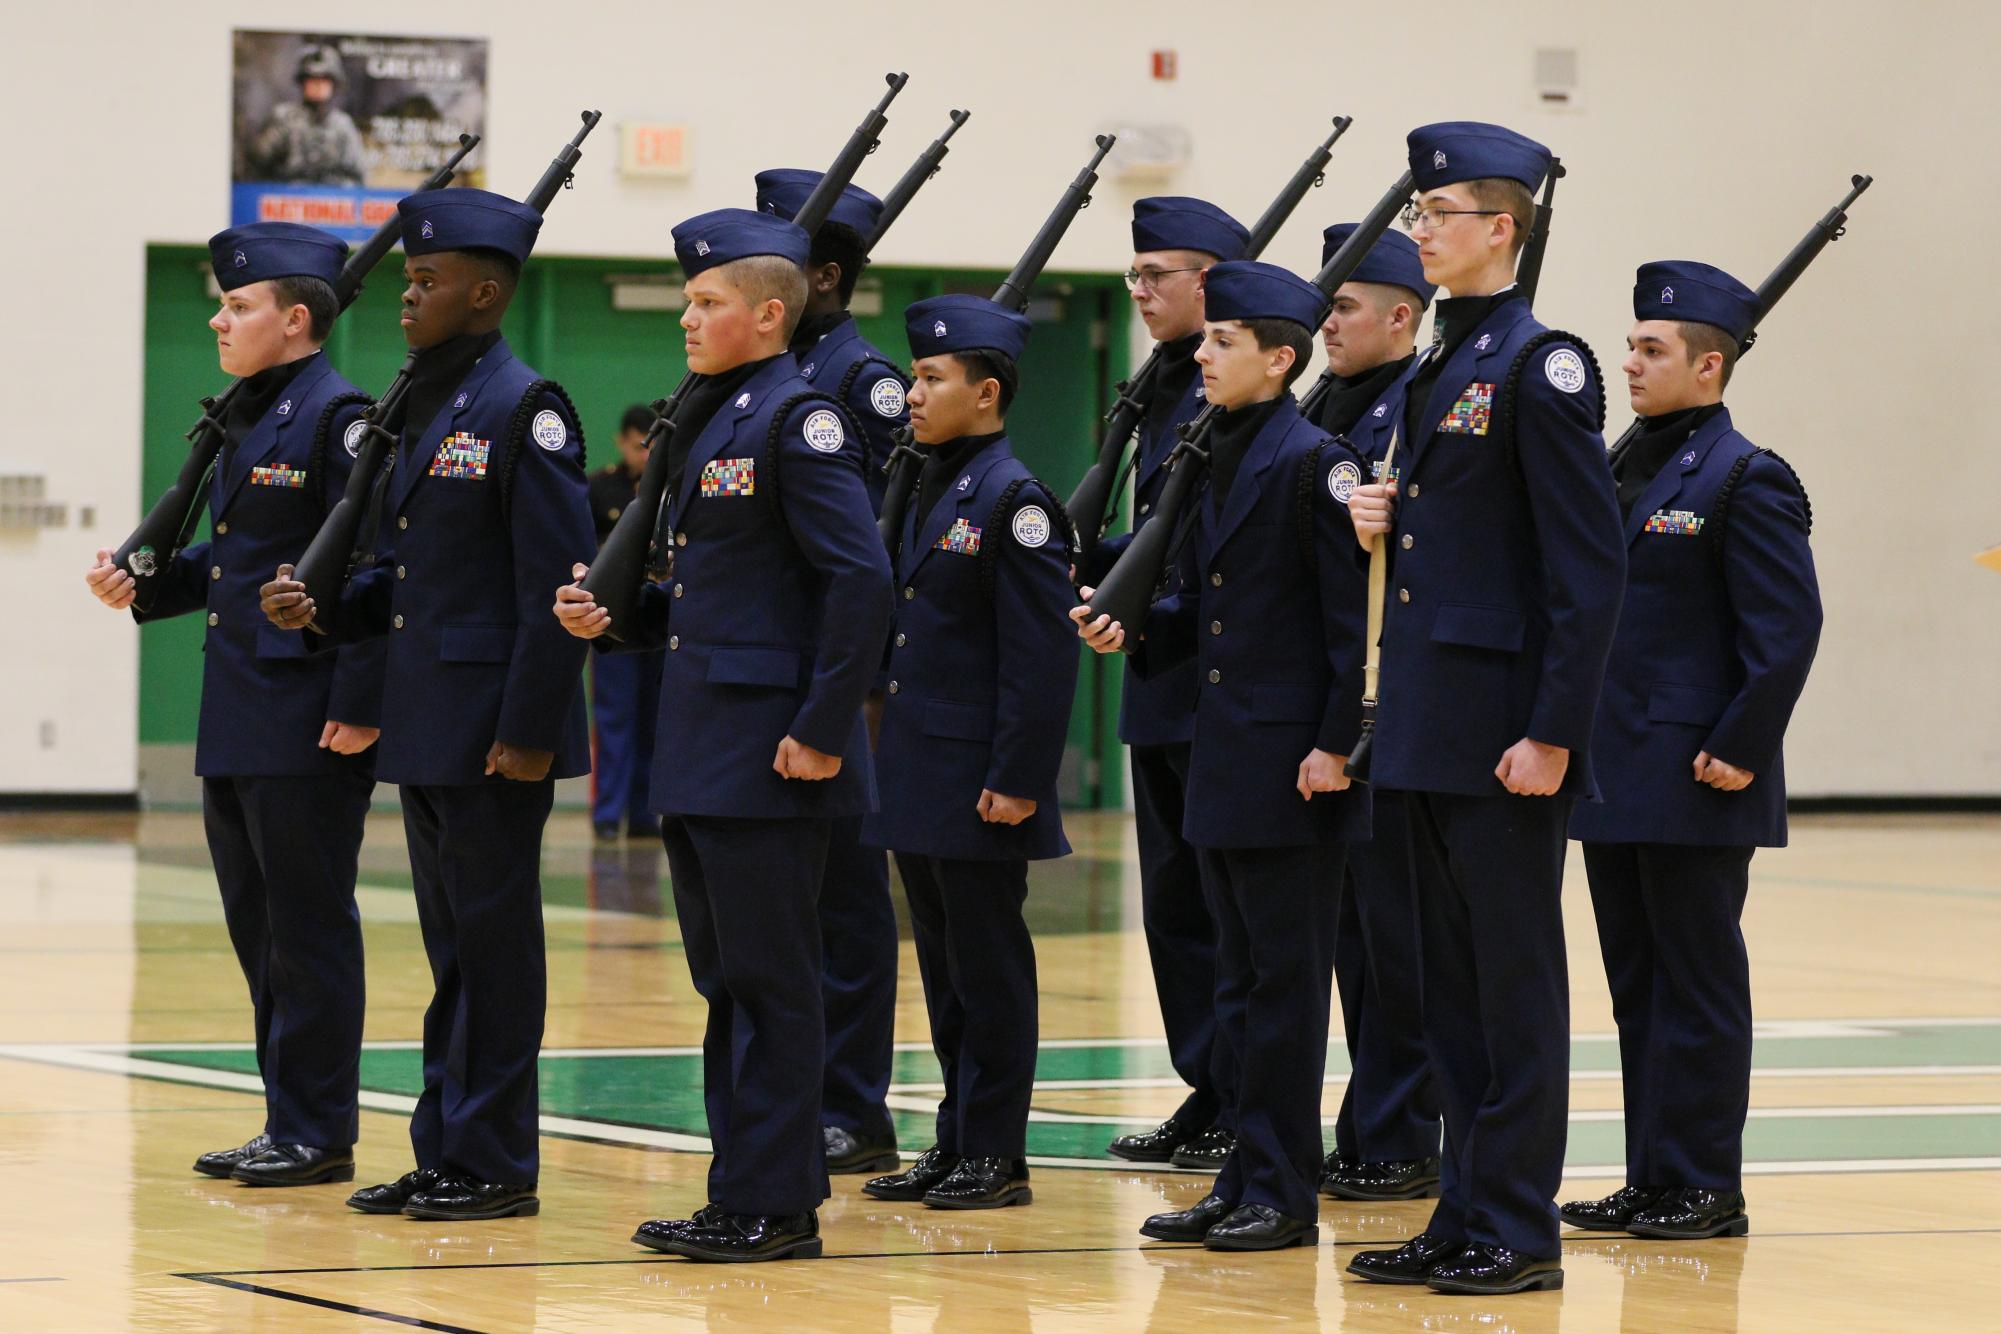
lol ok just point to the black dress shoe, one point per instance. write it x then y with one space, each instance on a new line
1690 1213
932 1166
1411 1179
740 1238
849 1153
1190 1224
1208 1150
221 1162
1410 1263
1491 1271
391 1197
1334 1164
605 831
982 1183
1611 1213
1259 1227
296 1165
1154 1146
657 1232
461 1199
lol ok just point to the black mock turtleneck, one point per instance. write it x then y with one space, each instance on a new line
1635 466
1453 323
943 463
1230 439
1349 396
1177 372
259 393
437 374
815 327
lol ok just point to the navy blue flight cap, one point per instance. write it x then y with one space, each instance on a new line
1244 289
957 322
1176 222
263 250
1682 289
783 191
467 219
1392 259
1470 150
724 235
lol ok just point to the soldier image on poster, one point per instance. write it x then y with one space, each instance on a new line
311 140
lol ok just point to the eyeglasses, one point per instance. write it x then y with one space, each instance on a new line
1432 218
1150 278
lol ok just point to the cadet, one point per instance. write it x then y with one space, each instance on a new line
1507 574
625 687
482 707
857 917
283 741
1386 1137
982 671
774 623
1174 240
1721 619
1271 608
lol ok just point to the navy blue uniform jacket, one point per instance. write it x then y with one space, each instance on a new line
776 612
1275 631
1711 654
1508 565
462 585
847 367
264 698
980 684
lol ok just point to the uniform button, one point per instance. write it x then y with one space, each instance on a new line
1414 490
612 514
213 618
895 688
1403 595
677 590
673 641
215 572
221 528
909 592
1145 506
1408 541
901 640
1215 627
680 539
402 573
1214 676
1215 581
397 622
402 521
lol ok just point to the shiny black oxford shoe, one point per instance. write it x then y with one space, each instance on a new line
1410 1263
296 1165
657 1232
849 1153
1207 1151
461 1199
1408 1179
1611 1213
1259 1227
725 1238
1153 1146
982 1183
390 1197
1333 1165
1690 1213
1493 1271
1191 1224
932 1166
221 1162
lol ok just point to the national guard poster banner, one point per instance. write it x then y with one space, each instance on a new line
331 129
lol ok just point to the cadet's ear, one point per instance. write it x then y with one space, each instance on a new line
825 278
987 395
486 295
1402 317
299 320
1710 367
1278 361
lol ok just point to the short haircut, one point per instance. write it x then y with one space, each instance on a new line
497 265
1389 295
638 417
299 289
1703 339
1510 197
984 363
838 243
763 278
1272 332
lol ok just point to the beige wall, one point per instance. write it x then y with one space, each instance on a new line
1703 130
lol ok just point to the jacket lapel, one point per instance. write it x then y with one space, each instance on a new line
721 431
955 504
1249 482
414 461
1192 402
1668 481
1481 359
266 436
827 349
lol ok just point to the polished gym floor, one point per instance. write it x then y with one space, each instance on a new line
1873 1152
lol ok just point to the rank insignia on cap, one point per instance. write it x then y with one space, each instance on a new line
743 400
285 408
1481 345
701 247
1473 413
961 539
729 477
939 330
1031 525
461 455
425 231
1438 158
886 397
1675 523
242 260
352 440
823 431
1342 481
1667 296
278 476
549 430
1565 370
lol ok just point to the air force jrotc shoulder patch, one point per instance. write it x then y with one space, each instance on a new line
823 431
1031 525
1342 480
352 440
1565 370
886 397
549 431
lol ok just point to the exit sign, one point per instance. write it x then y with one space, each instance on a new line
1165 65
653 149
